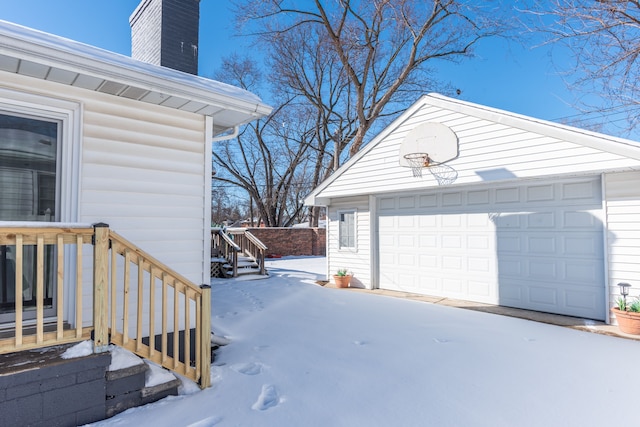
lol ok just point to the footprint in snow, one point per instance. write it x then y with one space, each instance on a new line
441 340
361 342
248 368
268 398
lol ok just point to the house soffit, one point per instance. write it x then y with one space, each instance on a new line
43 56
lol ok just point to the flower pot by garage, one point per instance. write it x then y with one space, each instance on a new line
342 281
628 321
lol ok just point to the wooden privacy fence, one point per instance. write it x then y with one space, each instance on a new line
136 301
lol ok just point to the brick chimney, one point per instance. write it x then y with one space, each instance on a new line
165 32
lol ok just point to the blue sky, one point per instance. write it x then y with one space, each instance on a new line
503 75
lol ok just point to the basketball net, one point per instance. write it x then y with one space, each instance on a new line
416 162
443 174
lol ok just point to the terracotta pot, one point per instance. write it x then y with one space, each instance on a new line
628 321
342 281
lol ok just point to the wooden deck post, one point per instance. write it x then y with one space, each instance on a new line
205 337
100 288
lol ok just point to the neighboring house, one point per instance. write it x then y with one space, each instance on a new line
89 136
524 212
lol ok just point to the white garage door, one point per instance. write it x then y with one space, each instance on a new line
536 246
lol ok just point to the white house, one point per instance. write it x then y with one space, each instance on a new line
89 136
523 212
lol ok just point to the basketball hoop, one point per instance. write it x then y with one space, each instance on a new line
416 162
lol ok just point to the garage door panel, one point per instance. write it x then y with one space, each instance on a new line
541 220
537 246
428 201
585 273
586 190
451 221
543 269
480 289
480 197
406 221
579 220
428 240
540 193
540 244
452 199
583 245
452 286
581 301
543 297
568 300
452 241
429 283
450 262
508 195
509 244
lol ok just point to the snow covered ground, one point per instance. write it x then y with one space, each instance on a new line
304 355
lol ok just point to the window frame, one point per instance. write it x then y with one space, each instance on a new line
69 116
346 247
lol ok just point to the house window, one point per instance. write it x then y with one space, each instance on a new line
29 157
39 157
347 229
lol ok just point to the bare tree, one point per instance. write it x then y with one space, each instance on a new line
603 37
269 160
370 56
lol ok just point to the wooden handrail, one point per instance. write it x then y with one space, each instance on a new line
256 249
223 242
138 302
183 306
250 245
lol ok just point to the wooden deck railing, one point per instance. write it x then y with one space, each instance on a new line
250 245
138 302
234 240
68 242
223 245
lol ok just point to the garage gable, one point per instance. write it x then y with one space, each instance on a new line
494 146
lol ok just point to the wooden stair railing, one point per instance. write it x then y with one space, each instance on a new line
223 244
234 240
138 302
252 246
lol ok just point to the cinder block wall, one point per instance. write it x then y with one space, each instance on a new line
67 392
165 32
292 241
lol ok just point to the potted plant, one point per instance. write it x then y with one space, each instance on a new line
342 278
628 316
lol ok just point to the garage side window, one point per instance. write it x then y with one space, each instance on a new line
347 229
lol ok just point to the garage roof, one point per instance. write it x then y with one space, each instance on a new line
45 56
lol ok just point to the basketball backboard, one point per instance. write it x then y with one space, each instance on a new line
434 139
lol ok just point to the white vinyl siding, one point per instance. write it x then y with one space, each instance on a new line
489 151
623 231
356 260
142 171
146 176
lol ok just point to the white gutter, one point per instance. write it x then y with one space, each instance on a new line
228 136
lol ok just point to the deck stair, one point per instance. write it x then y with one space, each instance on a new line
236 252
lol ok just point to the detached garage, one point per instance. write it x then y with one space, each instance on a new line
508 210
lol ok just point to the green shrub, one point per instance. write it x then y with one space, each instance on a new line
635 306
